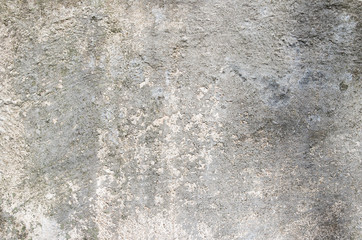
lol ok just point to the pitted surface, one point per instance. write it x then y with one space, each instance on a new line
224 119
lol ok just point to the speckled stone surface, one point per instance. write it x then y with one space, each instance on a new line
170 119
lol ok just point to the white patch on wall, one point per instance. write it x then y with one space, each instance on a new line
344 31
159 15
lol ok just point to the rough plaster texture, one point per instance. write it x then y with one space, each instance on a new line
180 119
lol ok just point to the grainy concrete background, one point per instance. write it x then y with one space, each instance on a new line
180 119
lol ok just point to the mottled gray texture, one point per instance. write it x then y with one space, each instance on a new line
208 119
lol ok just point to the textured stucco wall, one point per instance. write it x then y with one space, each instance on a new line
180 119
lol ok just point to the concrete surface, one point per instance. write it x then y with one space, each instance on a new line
180 119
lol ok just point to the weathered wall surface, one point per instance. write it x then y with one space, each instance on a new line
192 119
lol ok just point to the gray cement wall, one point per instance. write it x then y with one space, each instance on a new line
180 119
